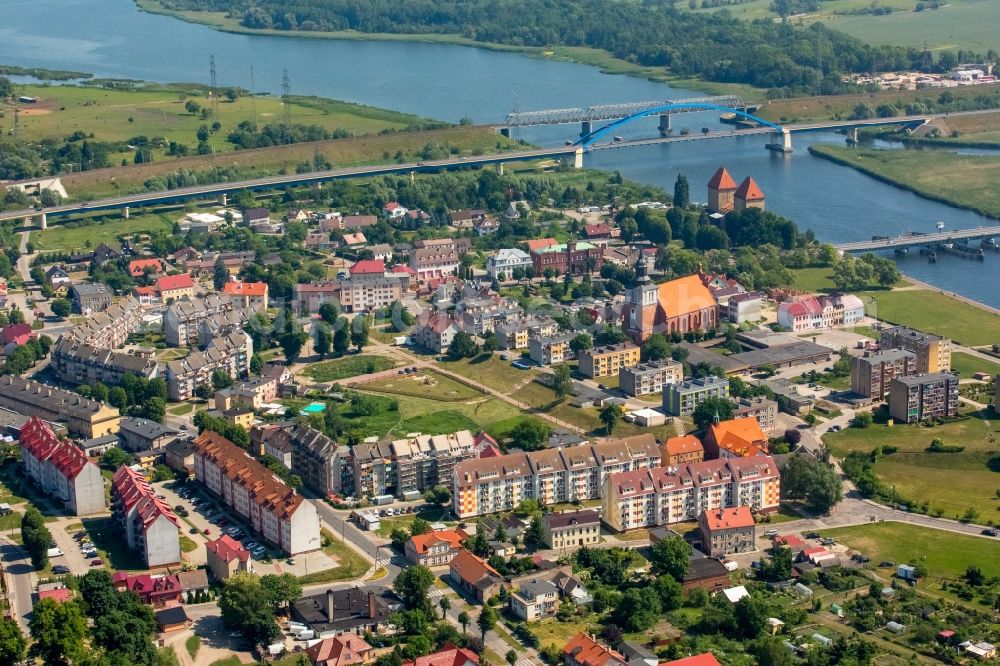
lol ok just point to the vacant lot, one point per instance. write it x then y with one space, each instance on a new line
489 370
966 365
978 433
331 371
943 553
425 384
102 230
933 312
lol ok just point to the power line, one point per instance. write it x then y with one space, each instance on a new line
214 92
286 91
253 96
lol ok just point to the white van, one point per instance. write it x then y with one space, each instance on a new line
54 552
305 634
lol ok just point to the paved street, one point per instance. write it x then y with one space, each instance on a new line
19 577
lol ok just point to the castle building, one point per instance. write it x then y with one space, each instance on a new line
721 192
749 195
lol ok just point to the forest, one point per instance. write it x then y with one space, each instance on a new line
787 59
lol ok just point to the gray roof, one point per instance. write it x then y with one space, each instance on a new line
537 588
91 289
918 380
145 428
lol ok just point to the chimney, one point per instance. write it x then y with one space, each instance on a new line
371 604
329 605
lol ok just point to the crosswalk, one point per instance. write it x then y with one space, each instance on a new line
435 594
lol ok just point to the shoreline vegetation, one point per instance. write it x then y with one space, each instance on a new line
42 74
960 181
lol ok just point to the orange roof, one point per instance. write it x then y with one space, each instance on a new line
448 655
684 295
245 288
742 437
727 519
171 282
470 568
585 650
722 180
676 446
341 650
704 659
749 191
422 542
539 243
139 266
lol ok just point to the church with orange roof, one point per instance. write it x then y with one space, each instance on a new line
676 306
735 438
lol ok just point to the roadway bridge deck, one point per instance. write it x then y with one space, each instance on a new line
911 240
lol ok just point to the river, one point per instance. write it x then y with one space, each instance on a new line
112 38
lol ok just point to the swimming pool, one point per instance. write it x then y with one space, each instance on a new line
313 408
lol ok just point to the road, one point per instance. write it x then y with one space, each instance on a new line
19 577
271 182
922 239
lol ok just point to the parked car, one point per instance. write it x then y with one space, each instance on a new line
887 563
812 535
859 558
60 569
771 532
991 533
208 531
193 530
97 562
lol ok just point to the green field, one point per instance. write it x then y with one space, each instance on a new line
965 181
918 476
112 115
966 365
933 312
331 371
425 384
82 237
490 370
350 566
943 553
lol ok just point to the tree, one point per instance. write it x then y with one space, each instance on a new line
793 436
439 495
445 604
670 556
221 379
771 652
656 348
751 616
562 382
192 107
35 537
710 408
412 585
61 308
246 607
329 313
322 342
220 274
291 344
114 458
13 645
154 409
581 342
359 332
529 434
670 591
462 346
341 338
510 657
611 415
464 619
682 196
419 526
58 631
486 621
638 610
281 589
862 420
533 534
814 481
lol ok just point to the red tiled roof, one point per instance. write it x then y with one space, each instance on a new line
749 191
391 206
38 440
171 282
802 307
539 243
134 491
742 437
448 655
342 650
138 266
727 519
454 538
368 267
59 594
676 446
585 650
228 549
705 659
145 291
470 568
245 288
722 180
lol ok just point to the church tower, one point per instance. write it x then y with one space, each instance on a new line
641 303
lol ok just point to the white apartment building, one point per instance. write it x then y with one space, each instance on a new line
60 469
149 525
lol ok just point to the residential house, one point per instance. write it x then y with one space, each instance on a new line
157 591
505 262
534 599
226 556
681 398
341 650
649 378
274 511
434 549
105 253
739 437
448 655
810 313
353 241
742 307
474 577
58 278
466 219
141 267
486 226
355 222
727 530
681 450
90 298
599 230
922 397
662 495
607 361
179 456
252 295
571 529
434 331
60 470
352 610
549 351
434 261
148 524
175 287
584 650
144 435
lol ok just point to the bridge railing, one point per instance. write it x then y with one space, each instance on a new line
615 111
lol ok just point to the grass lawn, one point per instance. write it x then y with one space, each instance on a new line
167 657
813 279
387 525
227 661
425 384
932 312
918 475
180 410
942 552
112 549
553 632
64 237
634 535
187 545
964 181
331 371
490 370
351 565
967 365
438 423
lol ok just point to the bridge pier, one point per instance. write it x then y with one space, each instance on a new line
578 159
782 141
505 131
125 212
585 128
42 221
223 199
665 126
500 168
852 136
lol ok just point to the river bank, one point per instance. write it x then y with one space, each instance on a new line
961 181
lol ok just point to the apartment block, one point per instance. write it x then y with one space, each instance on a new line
763 409
434 549
921 397
726 531
933 353
182 320
230 353
873 372
83 417
407 467
571 529
274 511
490 485
649 378
109 329
148 524
681 398
547 351
61 470
607 361
665 495
315 459
76 363
252 295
